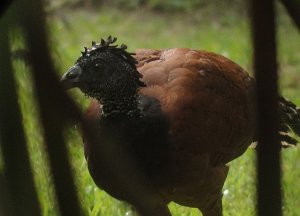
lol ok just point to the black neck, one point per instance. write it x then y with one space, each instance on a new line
121 106
119 96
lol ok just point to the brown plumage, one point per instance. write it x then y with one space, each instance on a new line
203 93
192 114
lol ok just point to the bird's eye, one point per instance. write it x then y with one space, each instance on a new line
97 66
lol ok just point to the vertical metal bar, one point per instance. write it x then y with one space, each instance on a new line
293 8
17 170
34 23
268 157
4 5
5 200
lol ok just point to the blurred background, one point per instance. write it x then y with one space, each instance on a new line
219 26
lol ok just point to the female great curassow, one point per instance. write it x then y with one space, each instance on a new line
180 114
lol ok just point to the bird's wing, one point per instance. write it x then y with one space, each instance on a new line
206 98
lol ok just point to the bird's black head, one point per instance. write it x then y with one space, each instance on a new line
104 71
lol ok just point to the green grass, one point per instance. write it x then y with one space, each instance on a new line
218 31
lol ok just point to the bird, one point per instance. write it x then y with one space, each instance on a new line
178 115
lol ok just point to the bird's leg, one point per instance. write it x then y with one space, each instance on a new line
215 209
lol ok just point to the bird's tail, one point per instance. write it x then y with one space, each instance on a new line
289 122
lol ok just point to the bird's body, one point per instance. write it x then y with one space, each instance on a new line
206 97
190 114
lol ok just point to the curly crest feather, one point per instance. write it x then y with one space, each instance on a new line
108 45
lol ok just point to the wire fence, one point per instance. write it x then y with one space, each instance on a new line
56 108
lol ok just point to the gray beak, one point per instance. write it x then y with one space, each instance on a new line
71 78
